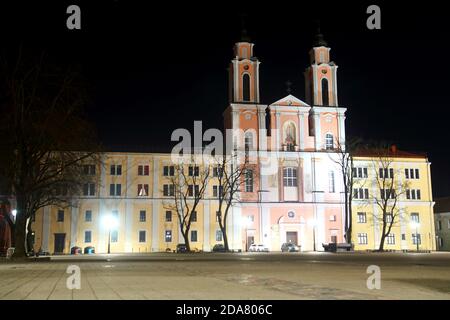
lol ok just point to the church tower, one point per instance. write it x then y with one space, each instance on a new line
320 76
326 118
244 73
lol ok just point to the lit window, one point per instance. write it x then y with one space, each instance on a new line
329 144
290 177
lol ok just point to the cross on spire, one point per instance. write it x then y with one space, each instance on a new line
288 86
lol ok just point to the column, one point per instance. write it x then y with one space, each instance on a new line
206 225
341 130
74 226
317 131
301 131
46 229
155 206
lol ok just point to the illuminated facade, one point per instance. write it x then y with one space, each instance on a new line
300 202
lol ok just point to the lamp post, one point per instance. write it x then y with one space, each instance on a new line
110 223
313 223
415 225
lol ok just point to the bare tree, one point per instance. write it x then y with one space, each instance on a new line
187 189
231 176
344 160
45 140
389 190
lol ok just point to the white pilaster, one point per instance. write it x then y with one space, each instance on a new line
74 226
46 229
206 225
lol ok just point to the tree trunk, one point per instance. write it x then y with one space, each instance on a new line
19 234
225 239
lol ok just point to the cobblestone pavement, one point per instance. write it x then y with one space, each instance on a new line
230 276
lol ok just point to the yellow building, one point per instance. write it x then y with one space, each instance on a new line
414 208
297 198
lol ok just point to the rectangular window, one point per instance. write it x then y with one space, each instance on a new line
114 235
331 182
142 236
333 217
168 190
168 171
439 226
389 218
416 238
290 177
361 193
248 180
89 189
415 217
168 216
143 170
359 172
403 236
87 236
362 217
194 235
194 216
116 169
219 236
417 173
217 172
142 190
191 189
386 173
88 216
168 236
142 216
60 217
115 214
362 238
390 238
89 169
115 189
413 194
407 173
194 171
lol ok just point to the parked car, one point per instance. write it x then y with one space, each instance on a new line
181 248
219 248
76 250
89 250
290 247
258 248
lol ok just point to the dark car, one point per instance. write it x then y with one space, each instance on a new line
89 250
290 247
219 248
76 250
181 248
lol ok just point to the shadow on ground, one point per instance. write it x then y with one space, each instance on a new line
440 285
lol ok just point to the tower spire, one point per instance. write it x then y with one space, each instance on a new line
244 34
319 40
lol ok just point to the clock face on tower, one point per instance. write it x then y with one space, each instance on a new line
246 67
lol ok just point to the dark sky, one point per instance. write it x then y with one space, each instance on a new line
152 69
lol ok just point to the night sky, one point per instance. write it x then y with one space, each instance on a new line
147 64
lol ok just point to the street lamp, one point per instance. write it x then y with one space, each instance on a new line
14 214
313 223
110 223
415 225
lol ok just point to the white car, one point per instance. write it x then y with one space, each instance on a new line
258 248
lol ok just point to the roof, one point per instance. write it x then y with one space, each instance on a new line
392 152
442 205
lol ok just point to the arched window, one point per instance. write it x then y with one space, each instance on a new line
329 144
289 136
325 99
246 87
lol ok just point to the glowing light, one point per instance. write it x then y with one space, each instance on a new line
14 212
110 221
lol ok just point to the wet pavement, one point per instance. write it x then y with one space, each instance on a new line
231 276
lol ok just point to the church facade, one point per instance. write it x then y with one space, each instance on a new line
299 200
